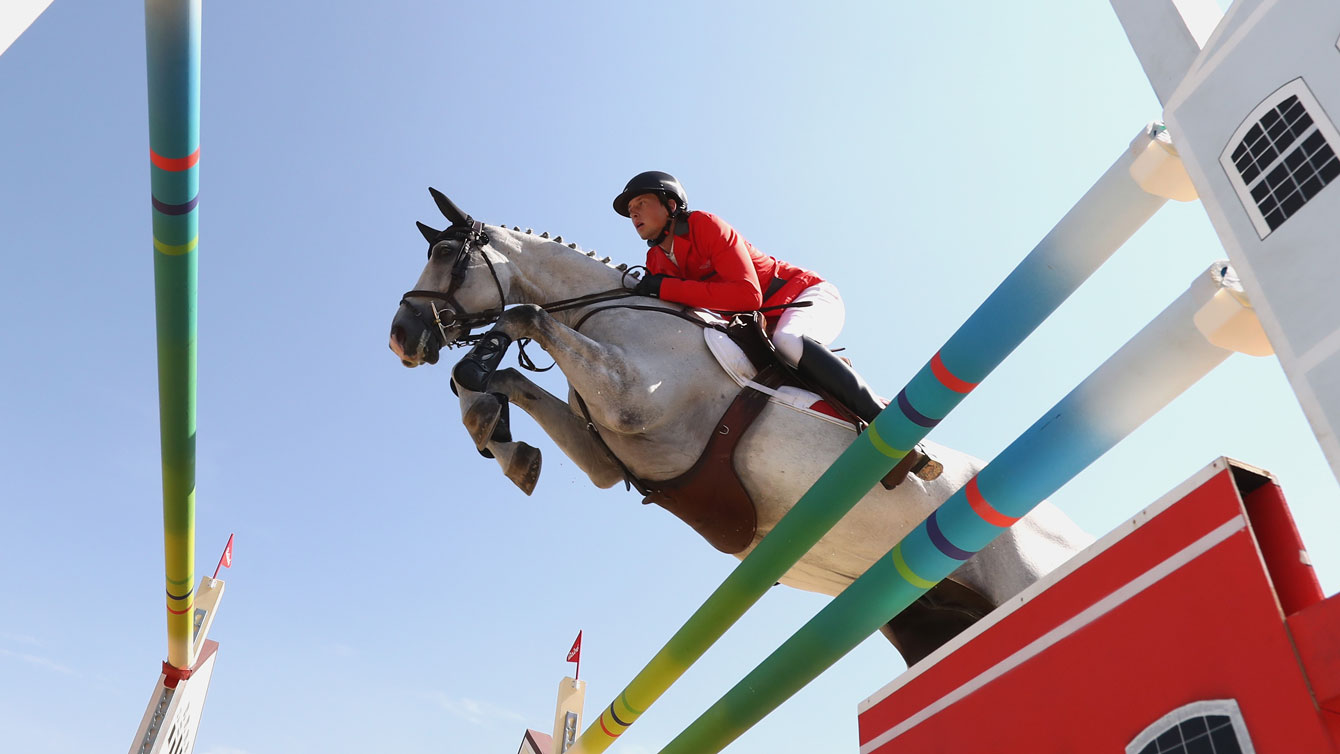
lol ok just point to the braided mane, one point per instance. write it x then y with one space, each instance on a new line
559 239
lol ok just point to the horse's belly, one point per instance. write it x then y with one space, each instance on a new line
786 452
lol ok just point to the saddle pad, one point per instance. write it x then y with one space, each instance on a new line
737 365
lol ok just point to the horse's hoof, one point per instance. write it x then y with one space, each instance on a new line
482 418
524 468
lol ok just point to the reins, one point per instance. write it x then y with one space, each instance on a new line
475 240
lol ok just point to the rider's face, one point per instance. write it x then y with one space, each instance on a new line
648 215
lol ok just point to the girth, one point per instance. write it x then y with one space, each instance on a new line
709 496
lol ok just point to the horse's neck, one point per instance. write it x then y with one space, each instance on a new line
547 271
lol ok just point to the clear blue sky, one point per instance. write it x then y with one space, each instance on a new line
391 591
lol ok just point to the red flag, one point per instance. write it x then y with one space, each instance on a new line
227 560
575 654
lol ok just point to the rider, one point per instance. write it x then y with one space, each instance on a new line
696 258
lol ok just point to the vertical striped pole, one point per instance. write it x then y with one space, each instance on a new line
1164 359
1099 223
172 42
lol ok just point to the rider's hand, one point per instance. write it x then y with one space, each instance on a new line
649 285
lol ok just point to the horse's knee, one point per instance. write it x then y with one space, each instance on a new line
522 321
516 386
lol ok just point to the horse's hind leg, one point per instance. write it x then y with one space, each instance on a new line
936 617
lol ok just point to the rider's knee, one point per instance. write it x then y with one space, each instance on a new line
789 346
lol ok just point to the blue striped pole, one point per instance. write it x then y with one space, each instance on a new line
1164 359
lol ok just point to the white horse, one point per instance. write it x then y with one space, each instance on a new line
655 393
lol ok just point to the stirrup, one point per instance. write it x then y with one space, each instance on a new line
916 463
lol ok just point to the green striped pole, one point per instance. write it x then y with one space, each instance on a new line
1099 223
1164 359
172 42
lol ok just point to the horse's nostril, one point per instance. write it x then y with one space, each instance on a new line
398 334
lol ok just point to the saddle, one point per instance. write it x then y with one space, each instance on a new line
709 496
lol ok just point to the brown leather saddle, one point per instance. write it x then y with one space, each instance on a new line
709 496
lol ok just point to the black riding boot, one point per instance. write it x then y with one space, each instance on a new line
473 371
831 375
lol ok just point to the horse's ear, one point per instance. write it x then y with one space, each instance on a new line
429 234
448 208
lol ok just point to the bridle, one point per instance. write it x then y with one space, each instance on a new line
453 315
474 239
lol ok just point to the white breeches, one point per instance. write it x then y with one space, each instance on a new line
821 320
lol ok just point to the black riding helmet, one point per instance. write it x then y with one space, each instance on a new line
651 182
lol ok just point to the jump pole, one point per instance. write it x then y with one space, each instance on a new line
1116 206
1165 358
172 54
172 42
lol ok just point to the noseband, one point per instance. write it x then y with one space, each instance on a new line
475 240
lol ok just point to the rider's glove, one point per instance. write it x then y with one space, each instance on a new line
649 285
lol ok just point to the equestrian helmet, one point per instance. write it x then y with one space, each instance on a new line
651 182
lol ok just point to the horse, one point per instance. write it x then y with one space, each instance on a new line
645 396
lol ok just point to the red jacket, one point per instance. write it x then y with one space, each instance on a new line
719 270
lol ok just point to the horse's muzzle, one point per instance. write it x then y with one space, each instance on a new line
415 337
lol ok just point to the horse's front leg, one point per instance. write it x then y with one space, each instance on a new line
490 391
568 430
612 385
593 369
485 417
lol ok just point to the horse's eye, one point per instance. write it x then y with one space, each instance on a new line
441 246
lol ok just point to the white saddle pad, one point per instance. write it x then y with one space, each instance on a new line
741 369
